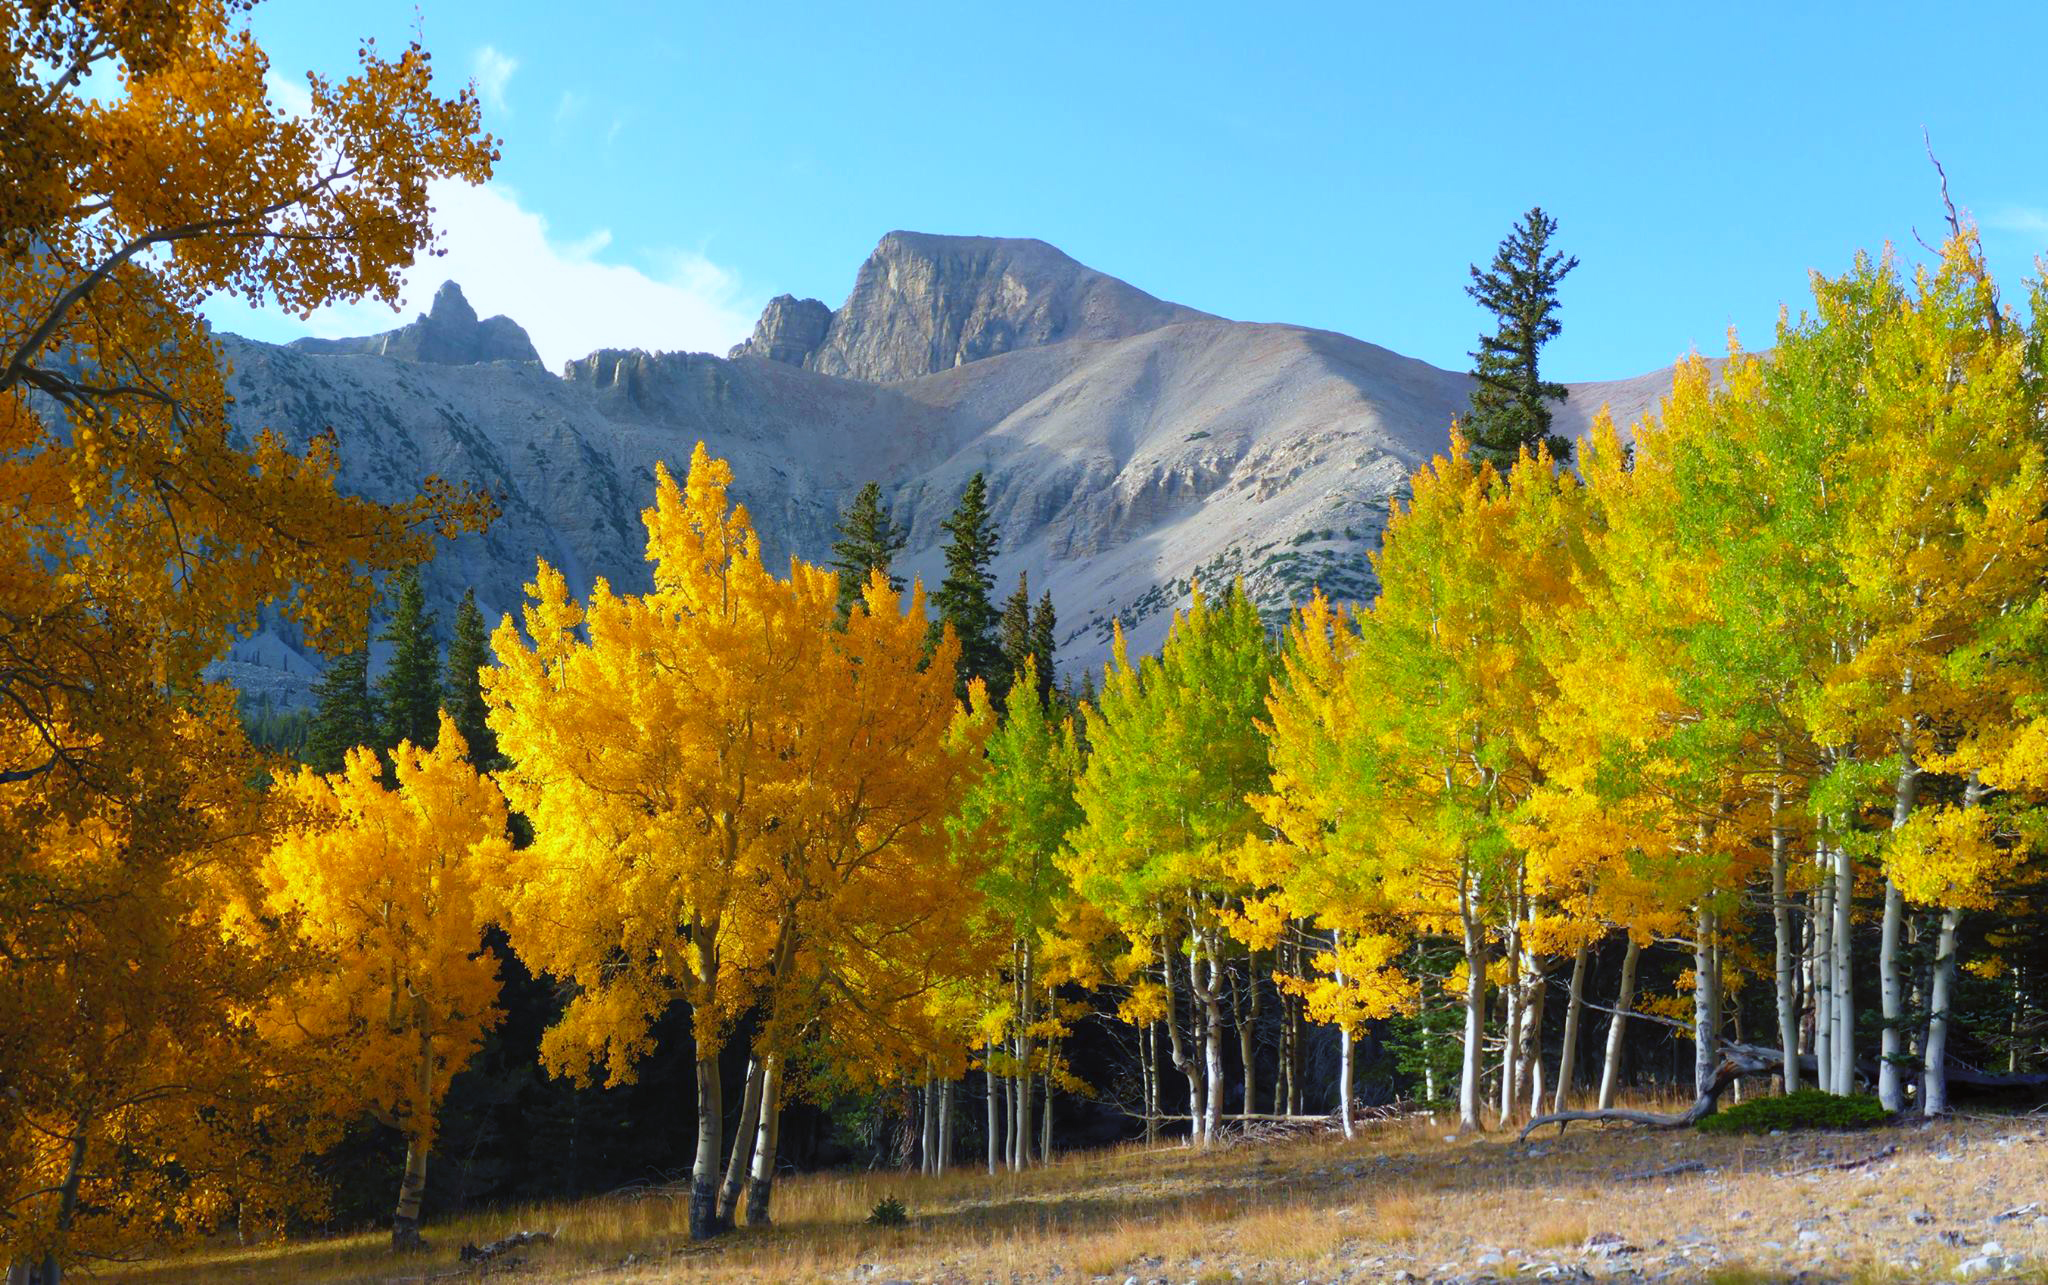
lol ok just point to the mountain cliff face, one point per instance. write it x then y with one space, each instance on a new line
448 334
923 304
1133 447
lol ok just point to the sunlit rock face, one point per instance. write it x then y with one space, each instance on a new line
1133 447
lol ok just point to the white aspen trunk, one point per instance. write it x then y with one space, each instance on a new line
1475 1019
412 1187
928 1134
49 1271
1941 991
1283 1061
1845 980
988 1070
1568 1056
1013 1144
1706 999
1346 1060
945 1154
1891 1054
710 1136
1617 1029
1532 1030
1028 1013
1511 1023
1045 1119
1786 970
1345 1051
1428 1062
767 1138
1293 1014
1148 1058
1212 1012
1824 971
1248 1033
1181 1061
1934 1070
1891 1068
742 1154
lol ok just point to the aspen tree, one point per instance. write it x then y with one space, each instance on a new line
1174 752
141 536
387 886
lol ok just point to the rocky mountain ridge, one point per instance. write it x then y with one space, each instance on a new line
1133 447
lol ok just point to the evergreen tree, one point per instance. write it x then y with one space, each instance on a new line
409 692
869 541
1044 627
1014 635
468 652
344 716
1511 400
962 599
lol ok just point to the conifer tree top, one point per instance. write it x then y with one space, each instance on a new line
1511 401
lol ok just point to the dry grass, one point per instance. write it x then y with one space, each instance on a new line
1400 1196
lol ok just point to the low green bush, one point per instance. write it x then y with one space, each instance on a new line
1806 1109
888 1212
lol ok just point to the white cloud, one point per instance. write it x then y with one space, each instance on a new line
290 95
2014 218
493 73
570 300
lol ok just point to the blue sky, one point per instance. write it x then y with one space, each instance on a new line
668 167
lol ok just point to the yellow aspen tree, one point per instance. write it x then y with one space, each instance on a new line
388 887
143 168
643 736
1447 688
875 912
1315 881
1941 551
1664 720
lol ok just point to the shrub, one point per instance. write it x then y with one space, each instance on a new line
888 1212
1806 1109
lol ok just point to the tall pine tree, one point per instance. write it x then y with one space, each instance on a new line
962 599
1044 630
468 652
869 540
344 716
1511 401
1013 636
409 691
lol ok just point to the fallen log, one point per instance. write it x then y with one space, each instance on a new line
1885 1152
485 1253
1738 1061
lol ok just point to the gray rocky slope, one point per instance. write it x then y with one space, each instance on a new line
1132 446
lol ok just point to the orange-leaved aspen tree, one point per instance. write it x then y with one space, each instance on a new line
1174 755
876 914
143 168
388 887
123 1013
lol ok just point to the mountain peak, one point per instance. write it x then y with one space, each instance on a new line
451 308
447 334
925 302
